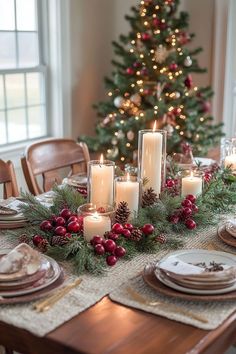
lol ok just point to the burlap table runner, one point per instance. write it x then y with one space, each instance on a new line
92 289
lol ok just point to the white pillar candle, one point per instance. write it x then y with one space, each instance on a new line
128 191
230 161
191 185
96 225
102 183
152 160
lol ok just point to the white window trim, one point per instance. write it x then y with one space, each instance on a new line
56 39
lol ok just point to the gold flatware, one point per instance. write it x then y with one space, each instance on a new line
45 305
139 298
213 247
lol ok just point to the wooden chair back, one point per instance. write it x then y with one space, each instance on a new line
8 179
47 157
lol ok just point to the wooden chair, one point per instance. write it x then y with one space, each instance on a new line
47 157
8 179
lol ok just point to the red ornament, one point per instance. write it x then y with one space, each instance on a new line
145 36
72 218
99 249
74 226
109 245
37 239
206 107
173 67
156 22
111 260
96 240
184 38
130 71
190 224
137 64
174 219
144 71
186 203
176 111
46 225
194 208
120 251
117 228
147 229
126 233
60 221
128 226
188 82
60 231
191 197
66 213
186 212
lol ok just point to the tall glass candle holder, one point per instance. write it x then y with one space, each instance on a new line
230 154
101 181
97 219
152 158
127 189
191 182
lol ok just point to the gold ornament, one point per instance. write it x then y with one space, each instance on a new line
161 54
136 99
112 153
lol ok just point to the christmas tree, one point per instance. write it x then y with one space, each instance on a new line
152 81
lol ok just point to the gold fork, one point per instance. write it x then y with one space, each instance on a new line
139 298
45 305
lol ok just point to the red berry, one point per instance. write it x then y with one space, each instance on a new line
37 239
207 177
60 221
170 183
186 203
113 236
65 213
80 220
109 245
120 251
128 226
190 224
60 230
96 240
174 219
73 226
191 197
68 235
46 225
186 212
99 249
156 22
194 208
126 233
111 260
117 228
148 229
72 218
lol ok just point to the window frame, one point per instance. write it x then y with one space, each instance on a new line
41 68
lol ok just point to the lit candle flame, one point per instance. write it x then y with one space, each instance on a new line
154 126
128 177
101 159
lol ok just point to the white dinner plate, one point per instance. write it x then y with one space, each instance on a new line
197 256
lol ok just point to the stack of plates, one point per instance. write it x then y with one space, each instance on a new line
25 275
227 232
198 272
78 181
10 217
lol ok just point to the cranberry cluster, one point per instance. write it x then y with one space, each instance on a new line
186 212
172 185
62 225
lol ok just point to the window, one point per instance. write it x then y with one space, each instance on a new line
22 72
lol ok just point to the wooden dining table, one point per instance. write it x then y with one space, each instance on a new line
108 327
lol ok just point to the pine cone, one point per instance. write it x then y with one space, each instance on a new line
122 213
24 239
43 245
161 238
58 241
149 197
136 235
